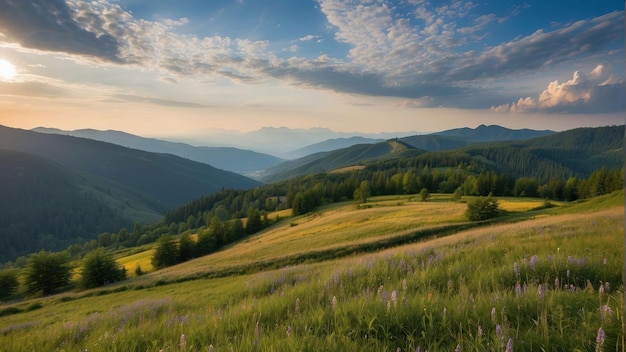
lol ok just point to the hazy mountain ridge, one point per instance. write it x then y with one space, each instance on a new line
280 141
232 159
169 178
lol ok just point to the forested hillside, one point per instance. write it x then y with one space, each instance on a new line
164 176
574 153
359 154
43 206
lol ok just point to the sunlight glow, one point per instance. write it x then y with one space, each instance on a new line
7 71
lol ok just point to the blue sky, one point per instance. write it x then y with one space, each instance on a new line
165 68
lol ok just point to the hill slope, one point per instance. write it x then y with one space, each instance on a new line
45 206
226 158
166 177
327 161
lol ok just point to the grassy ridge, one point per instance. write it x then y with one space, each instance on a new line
534 283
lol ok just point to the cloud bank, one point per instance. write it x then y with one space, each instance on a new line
430 52
596 92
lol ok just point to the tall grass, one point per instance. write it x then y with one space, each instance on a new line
546 284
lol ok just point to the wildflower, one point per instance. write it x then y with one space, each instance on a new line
509 345
601 289
499 331
515 269
210 348
404 287
607 287
458 348
518 290
541 291
289 331
394 298
533 262
398 349
606 310
604 261
600 340
557 283
480 331
334 302
567 274
182 340
493 315
297 306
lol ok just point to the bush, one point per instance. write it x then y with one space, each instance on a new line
100 269
8 284
482 209
47 272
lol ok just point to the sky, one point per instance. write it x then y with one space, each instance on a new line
193 67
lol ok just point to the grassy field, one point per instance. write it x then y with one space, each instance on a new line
536 280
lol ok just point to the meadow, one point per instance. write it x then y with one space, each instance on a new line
394 275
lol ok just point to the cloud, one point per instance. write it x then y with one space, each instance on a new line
156 101
433 52
51 25
596 92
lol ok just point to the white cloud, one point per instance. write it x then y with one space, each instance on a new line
599 91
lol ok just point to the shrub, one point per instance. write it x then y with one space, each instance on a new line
8 283
47 272
482 208
100 269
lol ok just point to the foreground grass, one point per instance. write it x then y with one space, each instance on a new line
533 285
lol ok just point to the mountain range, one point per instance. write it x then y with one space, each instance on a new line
243 162
60 189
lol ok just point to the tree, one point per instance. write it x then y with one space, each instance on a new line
8 283
99 269
482 208
186 248
362 193
458 194
47 272
166 253
254 223
424 194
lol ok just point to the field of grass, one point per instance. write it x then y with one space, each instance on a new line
550 282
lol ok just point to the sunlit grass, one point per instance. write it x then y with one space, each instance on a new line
534 282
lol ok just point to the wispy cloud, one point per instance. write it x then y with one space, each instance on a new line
156 101
432 54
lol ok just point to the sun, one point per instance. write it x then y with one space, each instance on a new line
7 71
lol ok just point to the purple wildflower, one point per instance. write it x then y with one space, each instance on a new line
394 297
600 340
541 291
458 348
518 290
605 310
509 345
480 331
515 269
533 262
289 331
499 332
